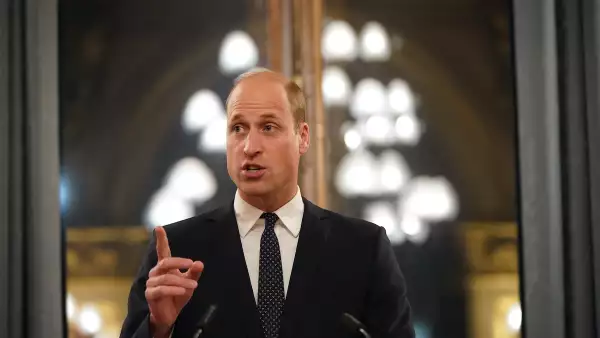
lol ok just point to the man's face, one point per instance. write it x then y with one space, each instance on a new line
264 143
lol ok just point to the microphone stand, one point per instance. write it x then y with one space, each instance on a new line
208 316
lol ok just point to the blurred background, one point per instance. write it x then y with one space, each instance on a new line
413 122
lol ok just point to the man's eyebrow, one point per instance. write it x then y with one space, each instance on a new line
269 116
234 117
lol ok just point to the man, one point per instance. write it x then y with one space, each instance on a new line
273 263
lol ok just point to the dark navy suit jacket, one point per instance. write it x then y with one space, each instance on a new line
342 265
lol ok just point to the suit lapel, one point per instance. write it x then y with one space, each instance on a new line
236 289
232 282
309 253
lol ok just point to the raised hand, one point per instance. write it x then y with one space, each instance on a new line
168 289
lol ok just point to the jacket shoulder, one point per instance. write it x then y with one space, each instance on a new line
351 226
200 223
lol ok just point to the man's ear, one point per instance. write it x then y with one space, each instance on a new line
304 134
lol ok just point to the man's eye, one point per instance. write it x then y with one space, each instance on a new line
236 128
269 127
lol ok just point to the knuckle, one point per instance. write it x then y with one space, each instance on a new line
163 264
157 292
152 281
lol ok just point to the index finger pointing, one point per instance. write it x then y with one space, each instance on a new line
162 243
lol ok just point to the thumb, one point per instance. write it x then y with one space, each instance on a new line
195 271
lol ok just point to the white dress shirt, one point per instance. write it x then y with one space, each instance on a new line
251 227
287 229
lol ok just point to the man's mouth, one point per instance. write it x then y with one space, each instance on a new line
252 171
252 168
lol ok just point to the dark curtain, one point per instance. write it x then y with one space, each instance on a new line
591 59
577 54
557 51
31 271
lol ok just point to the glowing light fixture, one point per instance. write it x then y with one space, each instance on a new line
400 97
166 207
353 139
202 108
384 215
238 53
192 180
338 42
71 307
378 130
89 320
408 130
357 174
337 88
369 99
214 137
430 198
394 172
415 229
374 43
514 318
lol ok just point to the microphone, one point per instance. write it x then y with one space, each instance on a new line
355 325
205 320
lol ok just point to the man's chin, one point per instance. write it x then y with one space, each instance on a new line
254 188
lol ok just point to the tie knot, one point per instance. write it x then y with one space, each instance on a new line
270 219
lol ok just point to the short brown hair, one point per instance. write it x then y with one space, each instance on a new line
295 95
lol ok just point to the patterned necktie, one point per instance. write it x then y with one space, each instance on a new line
270 279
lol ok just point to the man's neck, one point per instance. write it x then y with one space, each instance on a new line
272 201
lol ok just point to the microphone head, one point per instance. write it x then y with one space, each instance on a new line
351 322
354 325
208 316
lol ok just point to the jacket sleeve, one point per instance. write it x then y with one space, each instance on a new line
388 310
137 322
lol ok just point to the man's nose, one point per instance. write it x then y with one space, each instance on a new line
252 144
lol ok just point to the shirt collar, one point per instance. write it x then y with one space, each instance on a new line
289 214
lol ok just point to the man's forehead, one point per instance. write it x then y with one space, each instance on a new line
262 75
258 93
257 105
260 83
